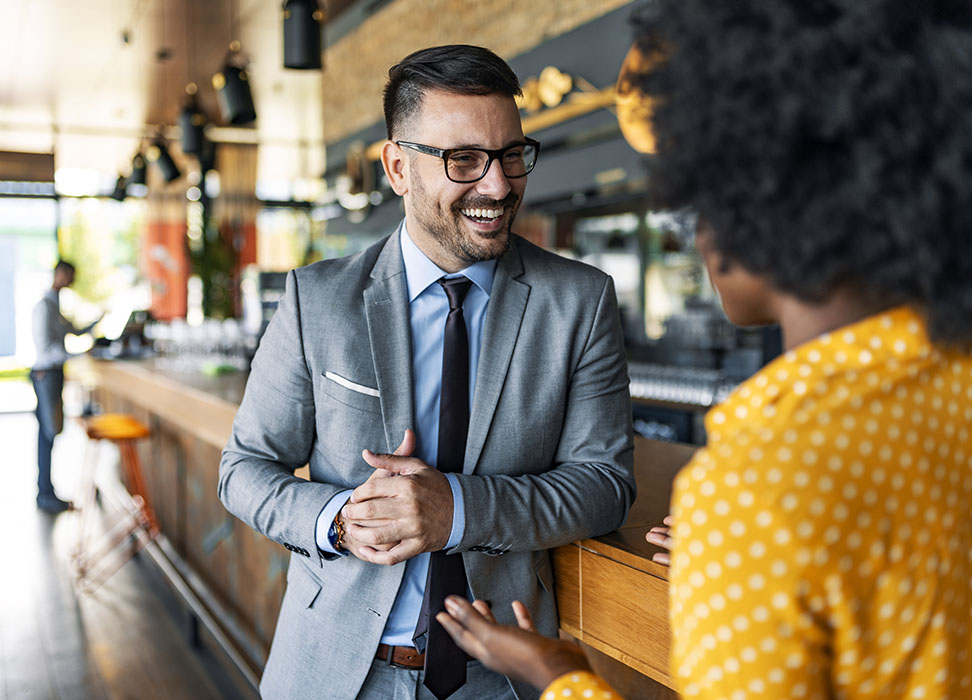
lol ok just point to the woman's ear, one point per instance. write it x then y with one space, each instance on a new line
393 162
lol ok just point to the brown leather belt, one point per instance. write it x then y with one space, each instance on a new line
403 657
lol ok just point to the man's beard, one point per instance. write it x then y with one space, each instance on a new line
448 230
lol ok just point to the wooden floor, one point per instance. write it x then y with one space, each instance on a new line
129 639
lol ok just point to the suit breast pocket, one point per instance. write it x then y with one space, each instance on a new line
350 393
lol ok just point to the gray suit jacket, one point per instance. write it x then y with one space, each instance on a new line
548 456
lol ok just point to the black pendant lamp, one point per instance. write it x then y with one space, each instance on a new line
207 157
138 170
233 89
192 121
118 194
158 153
303 23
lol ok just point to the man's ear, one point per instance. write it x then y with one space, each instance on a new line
393 161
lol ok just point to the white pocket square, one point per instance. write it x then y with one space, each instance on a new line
348 384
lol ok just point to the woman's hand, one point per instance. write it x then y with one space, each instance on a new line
520 653
661 536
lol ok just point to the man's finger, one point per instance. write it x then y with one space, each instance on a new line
399 553
377 488
371 536
523 617
394 463
407 445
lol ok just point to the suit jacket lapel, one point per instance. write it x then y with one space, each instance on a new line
386 309
507 303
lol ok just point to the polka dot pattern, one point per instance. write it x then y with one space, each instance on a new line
579 684
822 539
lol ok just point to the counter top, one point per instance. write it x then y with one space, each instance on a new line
202 405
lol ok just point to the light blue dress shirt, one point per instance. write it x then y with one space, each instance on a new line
428 308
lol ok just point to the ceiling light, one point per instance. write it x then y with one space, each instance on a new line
138 170
192 121
302 28
233 89
118 194
158 153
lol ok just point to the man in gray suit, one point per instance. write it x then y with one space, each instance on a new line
351 370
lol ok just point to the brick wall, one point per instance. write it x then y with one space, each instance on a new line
356 67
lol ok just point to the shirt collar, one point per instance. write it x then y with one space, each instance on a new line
420 272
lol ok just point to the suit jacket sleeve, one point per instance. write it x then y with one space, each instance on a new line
589 487
273 435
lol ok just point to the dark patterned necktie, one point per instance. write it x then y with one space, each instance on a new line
445 663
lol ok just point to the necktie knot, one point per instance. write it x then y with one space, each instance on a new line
455 288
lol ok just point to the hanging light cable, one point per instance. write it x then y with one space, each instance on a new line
232 83
192 119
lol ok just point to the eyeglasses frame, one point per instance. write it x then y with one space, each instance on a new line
491 154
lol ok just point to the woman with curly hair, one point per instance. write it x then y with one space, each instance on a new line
823 537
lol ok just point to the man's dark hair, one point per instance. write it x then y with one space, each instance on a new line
827 142
64 266
458 68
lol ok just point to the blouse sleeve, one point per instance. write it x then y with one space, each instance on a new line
579 685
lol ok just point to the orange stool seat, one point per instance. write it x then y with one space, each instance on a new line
114 426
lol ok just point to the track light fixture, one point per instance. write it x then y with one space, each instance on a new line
138 170
303 24
118 194
158 153
192 121
233 89
207 157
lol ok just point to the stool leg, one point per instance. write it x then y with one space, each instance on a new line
87 491
133 466
136 521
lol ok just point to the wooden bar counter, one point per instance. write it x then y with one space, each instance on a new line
612 597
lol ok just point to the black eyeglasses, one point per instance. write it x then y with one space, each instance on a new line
471 164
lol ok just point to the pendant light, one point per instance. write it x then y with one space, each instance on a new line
233 89
303 24
192 121
138 170
158 153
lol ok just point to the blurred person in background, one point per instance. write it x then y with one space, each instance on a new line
47 377
822 538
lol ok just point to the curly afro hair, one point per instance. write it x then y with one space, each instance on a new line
827 142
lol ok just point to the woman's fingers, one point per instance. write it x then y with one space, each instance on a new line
523 618
482 607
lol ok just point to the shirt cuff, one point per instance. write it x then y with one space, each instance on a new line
458 513
576 684
325 519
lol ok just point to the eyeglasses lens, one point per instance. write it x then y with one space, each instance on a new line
471 165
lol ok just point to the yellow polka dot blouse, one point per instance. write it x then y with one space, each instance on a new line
823 538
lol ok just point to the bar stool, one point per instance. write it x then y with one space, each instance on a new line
134 521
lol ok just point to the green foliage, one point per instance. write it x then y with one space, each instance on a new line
213 260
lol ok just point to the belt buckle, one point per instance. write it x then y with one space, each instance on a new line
391 660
